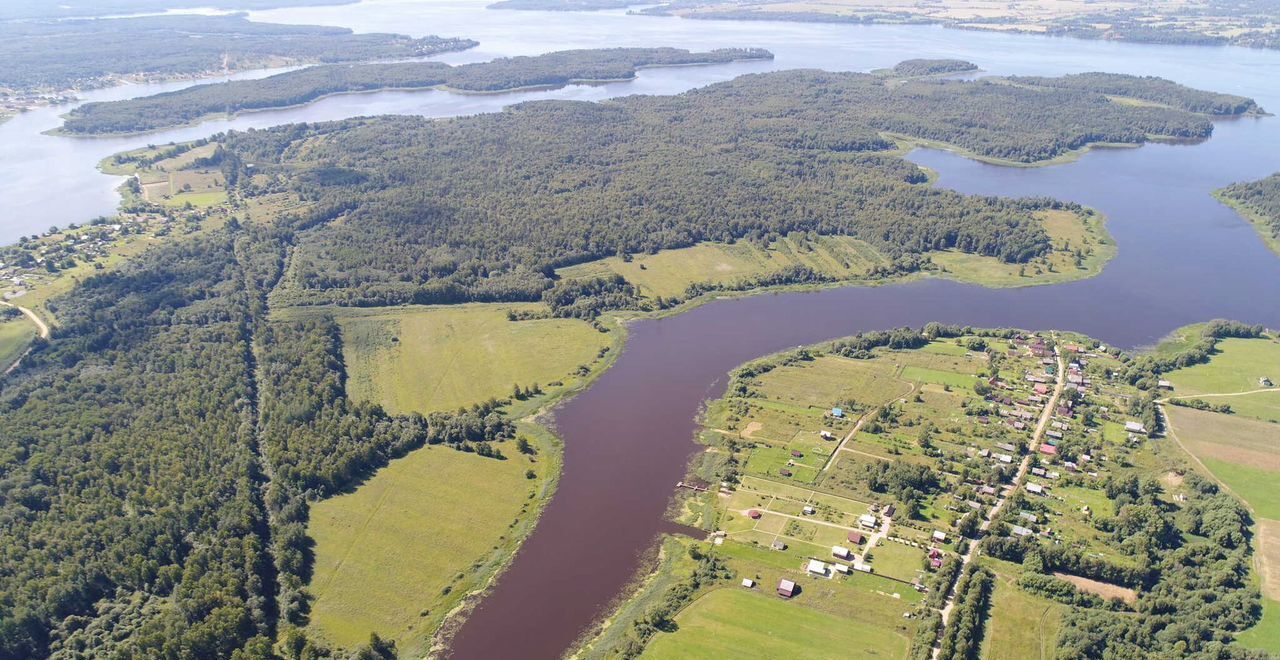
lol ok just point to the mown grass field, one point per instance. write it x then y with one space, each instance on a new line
397 553
1021 626
730 622
15 335
670 272
1242 453
1236 367
440 358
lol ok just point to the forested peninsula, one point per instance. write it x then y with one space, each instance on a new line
305 85
485 208
78 54
163 449
1259 202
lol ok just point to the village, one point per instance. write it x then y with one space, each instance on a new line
870 475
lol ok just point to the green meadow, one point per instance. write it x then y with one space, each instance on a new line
440 358
396 554
670 272
15 335
727 622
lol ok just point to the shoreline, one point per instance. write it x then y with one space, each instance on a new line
1255 220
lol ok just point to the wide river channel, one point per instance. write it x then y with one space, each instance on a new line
1183 257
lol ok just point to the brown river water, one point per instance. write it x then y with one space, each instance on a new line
1183 257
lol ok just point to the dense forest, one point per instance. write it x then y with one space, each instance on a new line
304 85
160 452
84 53
932 67
1262 197
485 208
1149 88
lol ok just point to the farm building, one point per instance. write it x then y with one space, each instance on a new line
786 588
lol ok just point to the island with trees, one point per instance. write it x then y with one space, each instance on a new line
305 85
1259 203
956 492
62 56
238 369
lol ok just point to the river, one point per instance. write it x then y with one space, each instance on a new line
1182 256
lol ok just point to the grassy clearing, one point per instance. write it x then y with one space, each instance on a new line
395 555
15 335
670 272
1021 626
726 622
439 358
1068 233
1235 367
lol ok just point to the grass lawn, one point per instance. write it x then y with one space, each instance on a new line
439 358
1021 626
15 335
670 272
1236 367
732 621
1265 635
400 551
896 560
926 375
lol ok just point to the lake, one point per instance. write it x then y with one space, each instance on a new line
1182 256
